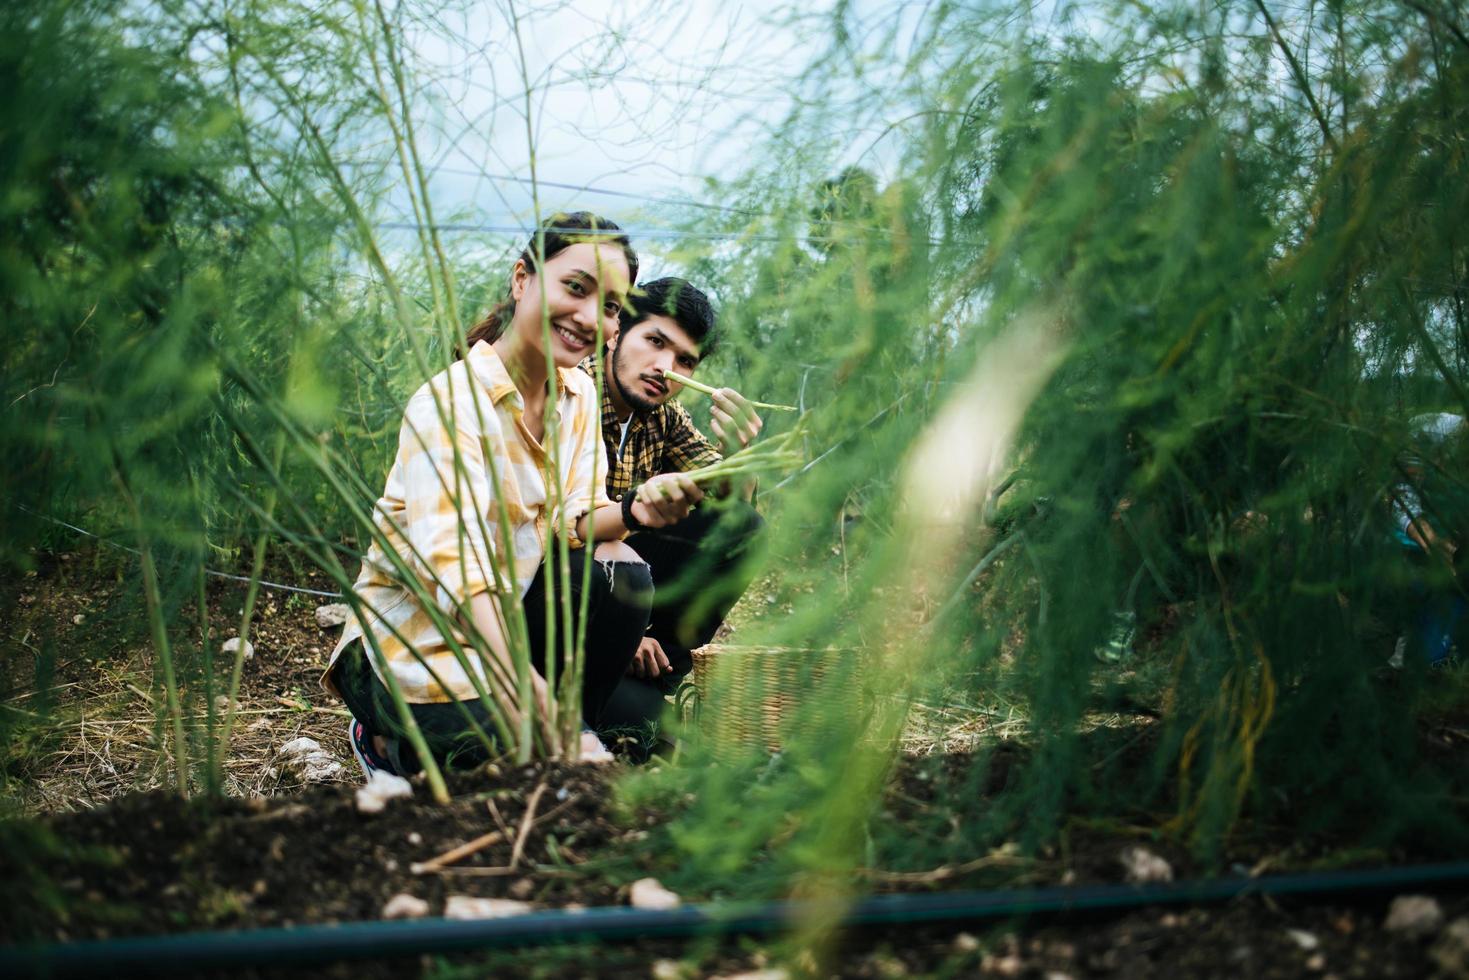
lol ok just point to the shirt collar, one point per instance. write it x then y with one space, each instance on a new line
485 363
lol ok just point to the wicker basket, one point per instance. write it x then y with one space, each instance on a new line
750 696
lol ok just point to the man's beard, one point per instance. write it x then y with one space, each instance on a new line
639 404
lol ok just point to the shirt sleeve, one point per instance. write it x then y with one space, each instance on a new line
447 528
585 484
684 446
1406 505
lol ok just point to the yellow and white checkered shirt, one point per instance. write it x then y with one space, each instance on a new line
450 539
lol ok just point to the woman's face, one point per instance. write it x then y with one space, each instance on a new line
585 286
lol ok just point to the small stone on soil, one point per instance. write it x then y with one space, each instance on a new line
1006 966
404 906
381 788
1414 915
232 645
649 893
1451 951
1140 865
331 614
471 907
887 965
966 943
300 747
1305 940
313 764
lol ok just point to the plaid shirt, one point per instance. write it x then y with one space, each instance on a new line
664 440
451 540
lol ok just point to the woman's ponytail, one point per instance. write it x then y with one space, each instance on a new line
490 328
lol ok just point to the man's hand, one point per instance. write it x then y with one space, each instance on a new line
666 499
650 660
735 422
1428 539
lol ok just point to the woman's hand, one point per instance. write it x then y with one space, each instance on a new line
666 499
487 627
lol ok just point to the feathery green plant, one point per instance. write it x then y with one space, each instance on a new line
1228 241
210 300
1244 228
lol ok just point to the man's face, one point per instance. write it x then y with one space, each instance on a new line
643 352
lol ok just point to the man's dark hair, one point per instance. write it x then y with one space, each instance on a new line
680 300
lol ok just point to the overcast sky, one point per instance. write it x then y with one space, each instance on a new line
645 98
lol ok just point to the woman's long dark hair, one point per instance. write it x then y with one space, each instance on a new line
558 232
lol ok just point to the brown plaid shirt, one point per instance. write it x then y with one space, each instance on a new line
664 440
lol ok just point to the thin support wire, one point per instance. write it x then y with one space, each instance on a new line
208 571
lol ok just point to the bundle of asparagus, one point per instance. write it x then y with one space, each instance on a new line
776 455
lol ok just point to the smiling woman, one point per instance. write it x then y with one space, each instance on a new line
498 484
557 234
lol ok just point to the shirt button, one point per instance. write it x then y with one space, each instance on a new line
619 497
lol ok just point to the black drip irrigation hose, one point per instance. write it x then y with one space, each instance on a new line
316 944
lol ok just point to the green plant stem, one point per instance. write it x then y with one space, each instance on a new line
158 627
247 614
213 781
1299 75
709 390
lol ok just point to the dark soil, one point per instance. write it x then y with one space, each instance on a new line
151 863
154 863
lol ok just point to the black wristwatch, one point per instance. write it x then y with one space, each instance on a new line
628 520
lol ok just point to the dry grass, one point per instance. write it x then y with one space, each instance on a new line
102 747
95 734
100 737
934 729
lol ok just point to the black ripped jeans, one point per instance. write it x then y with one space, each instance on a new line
619 596
700 568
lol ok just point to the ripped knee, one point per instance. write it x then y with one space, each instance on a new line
616 551
628 577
